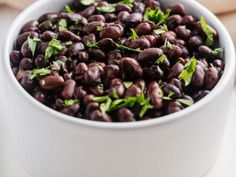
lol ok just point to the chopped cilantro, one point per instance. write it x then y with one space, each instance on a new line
208 31
37 73
68 9
157 16
186 102
128 84
134 34
106 9
70 102
33 42
217 52
161 59
54 46
167 44
87 2
187 73
127 48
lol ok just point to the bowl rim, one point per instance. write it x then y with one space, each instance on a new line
225 78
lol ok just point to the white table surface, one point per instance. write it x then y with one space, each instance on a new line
10 167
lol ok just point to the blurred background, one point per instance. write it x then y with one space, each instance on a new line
224 167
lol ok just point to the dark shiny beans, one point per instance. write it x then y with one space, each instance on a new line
15 57
25 50
91 38
69 89
125 115
97 54
172 88
134 90
148 56
47 16
26 82
71 110
80 92
205 50
92 106
93 75
92 26
40 96
51 82
75 48
156 95
212 77
176 70
112 71
97 115
195 41
48 36
200 94
141 43
131 68
68 35
23 37
123 7
87 11
114 57
152 39
144 28
26 64
174 107
182 32
106 44
177 9
30 26
96 18
133 19
119 87
153 72
113 31
198 78
122 15
110 17
173 21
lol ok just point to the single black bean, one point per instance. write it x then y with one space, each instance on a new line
134 90
30 26
68 89
212 77
40 96
125 115
99 116
156 95
26 64
80 92
48 36
26 82
173 107
198 78
112 31
177 9
150 55
96 18
71 110
15 57
87 11
122 15
51 82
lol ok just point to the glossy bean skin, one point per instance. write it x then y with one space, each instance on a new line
131 68
125 115
69 89
156 95
212 77
113 31
51 82
148 56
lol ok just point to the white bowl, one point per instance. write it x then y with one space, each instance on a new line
51 144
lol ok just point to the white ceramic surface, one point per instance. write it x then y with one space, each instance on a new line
52 144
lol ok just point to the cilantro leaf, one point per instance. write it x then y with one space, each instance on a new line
187 73
99 28
157 16
62 24
134 34
92 45
161 59
217 51
186 102
208 31
159 31
127 84
127 2
87 2
127 48
106 9
70 102
105 107
167 44
57 64
33 42
68 9
37 73
145 106
54 46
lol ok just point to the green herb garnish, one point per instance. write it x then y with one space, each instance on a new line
32 43
217 51
167 44
127 84
70 102
87 2
127 48
161 59
62 25
57 64
159 31
208 31
168 97
187 73
38 73
106 9
145 107
99 28
186 102
54 46
68 9
92 45
134 34
157 16
127 2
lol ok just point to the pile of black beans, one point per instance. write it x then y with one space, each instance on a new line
118 61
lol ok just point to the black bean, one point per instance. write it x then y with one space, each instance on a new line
173 21
212 77
134 19
71 110
51 82
156 95
144 28
112 31
75 48
131 68
48 16
198 78
40 96
153 73
150 55
69 89
112 71
195 41
141 43
99 116
125 115
80 92
68 35
200 94
92 75
122 7
96 18
177 9
134 90
87 11
173 107
48 36
30 26
15 57
26 64
26 82
122 15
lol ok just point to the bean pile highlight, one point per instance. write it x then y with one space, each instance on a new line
118 61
